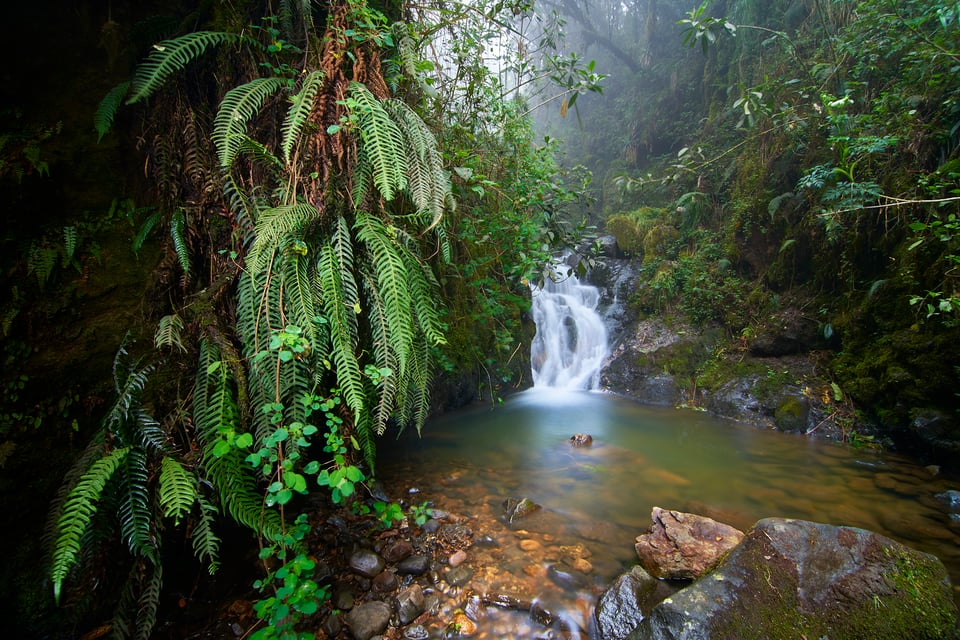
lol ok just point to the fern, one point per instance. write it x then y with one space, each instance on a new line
273 227
299 111
107 109
134 510
148 603
170 56
178 223
169 333
178 489
239 106
79 508
381 140
148 225
69 244
206 544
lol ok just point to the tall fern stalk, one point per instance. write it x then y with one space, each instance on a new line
299 212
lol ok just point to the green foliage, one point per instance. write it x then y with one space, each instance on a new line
237 109
107 109
300 106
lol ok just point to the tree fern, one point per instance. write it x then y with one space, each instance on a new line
381 140
170 56
177 489
239 106
107 109
79 508
300 106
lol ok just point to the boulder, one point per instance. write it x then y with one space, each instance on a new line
798 579
621 607
682 546
369 619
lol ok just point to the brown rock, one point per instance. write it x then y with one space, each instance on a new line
682 546
457 558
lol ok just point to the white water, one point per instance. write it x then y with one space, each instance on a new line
571 342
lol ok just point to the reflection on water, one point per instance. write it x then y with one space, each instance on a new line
643 457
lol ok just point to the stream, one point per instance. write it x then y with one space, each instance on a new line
595 500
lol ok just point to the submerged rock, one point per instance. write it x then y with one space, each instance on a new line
793 579
514 508
682 546
581 440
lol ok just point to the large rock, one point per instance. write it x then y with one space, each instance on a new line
797 579
369 619
621 607
682 546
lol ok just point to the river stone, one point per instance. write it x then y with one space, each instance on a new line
514 508
385 582
621 607
796 579
410 603
369 619
414 565
397 551
366 563
459 576
682 546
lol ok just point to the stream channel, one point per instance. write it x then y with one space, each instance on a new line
595 500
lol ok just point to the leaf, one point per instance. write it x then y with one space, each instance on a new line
238 107
177 489
170 56
107 109
300 107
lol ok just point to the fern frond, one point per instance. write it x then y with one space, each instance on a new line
338 291
382 142
177 489
134 509
383 353
206 545
368 445
239 106
260 153
178 223
300 291
107 109
169 331
69 244
148 225
79 508
274 225
171 56
299 111
148 603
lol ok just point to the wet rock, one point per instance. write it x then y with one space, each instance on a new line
540 614
681 546
410 603
460 627
621 607
343 598
397 551
414 565
457 558
581 440
366 563
332 625
529 544
385 582
506 601
570 580
474 608
369 619
514 508
951 498
459 576
416 632
792 578
430 526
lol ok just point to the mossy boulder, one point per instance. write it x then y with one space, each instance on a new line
798 579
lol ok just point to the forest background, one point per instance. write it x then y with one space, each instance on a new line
327 217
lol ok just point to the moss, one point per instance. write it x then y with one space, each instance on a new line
791 414
658 242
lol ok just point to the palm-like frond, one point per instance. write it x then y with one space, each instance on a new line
381 141
300 107
78 510
177 489
239 106
171 56
107 109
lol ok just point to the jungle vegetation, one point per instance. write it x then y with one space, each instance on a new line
340 206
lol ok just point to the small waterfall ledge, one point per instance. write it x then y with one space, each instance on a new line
570 345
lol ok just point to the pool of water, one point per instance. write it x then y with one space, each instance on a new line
596 500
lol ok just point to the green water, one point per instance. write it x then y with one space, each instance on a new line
676 459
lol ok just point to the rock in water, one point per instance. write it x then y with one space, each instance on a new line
621 607
513 508
795 579
682 546
581 440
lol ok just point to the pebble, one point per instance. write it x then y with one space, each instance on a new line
457 558
530 545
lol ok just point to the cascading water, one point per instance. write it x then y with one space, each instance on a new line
571 341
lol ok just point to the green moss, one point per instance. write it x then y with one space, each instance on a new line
791 414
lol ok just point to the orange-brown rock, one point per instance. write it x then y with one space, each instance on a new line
682 546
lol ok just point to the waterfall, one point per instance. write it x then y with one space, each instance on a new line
571 341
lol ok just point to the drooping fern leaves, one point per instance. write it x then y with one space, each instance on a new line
338 291
177 489
300 107
381 142
206 544
107 109
134 510
169 333
149 223
78 510
239 106
178 223
170 56
148 603
274 225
